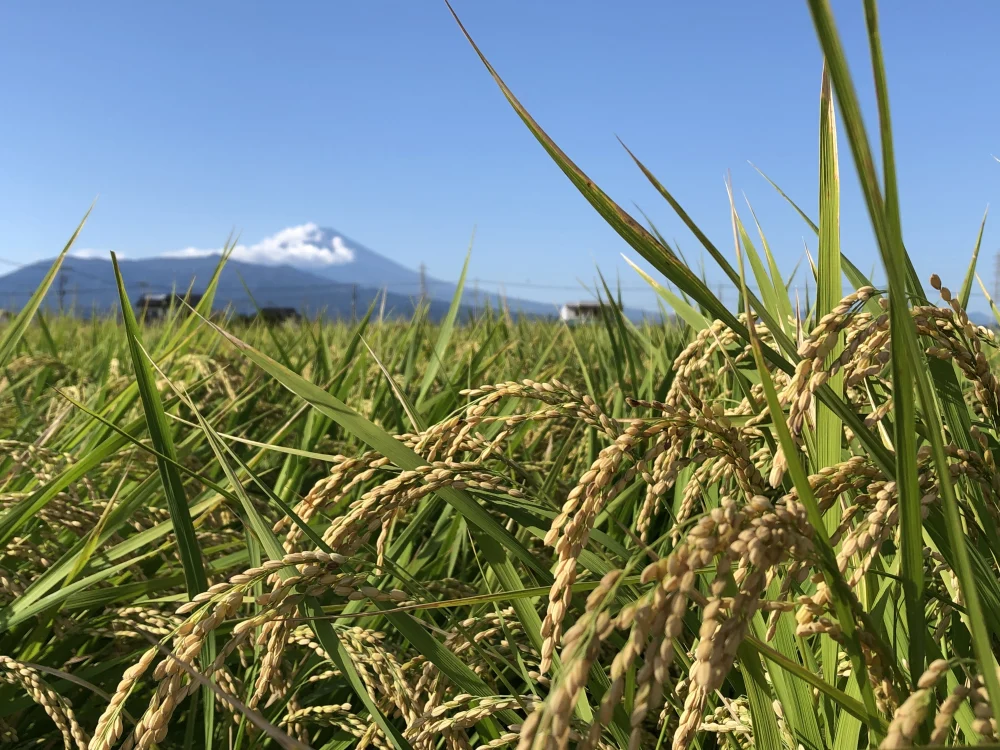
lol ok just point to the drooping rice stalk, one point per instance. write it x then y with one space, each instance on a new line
739 527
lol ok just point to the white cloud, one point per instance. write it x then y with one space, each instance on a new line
90 253
305 244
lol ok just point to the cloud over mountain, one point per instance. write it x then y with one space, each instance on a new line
91 253
306 244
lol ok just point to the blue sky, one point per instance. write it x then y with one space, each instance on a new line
192 119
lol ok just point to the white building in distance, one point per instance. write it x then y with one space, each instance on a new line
579 311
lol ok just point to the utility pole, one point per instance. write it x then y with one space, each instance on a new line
423 282
996 277
354 302
62 289
144 309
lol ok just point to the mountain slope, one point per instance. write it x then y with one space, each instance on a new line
310 268
328 253
368 267
86 285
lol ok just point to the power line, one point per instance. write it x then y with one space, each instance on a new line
424 286
340 286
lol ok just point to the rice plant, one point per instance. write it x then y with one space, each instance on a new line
768 527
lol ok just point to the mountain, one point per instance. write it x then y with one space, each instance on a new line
328 253
307 267
87 285
983 319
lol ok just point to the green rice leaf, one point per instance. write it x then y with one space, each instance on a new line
667 263
381 441
765 723
159 433
684 310
966 292
445 331
829 289
13 332
839 590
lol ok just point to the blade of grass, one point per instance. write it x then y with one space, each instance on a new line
794 695
445 331
684 310
372 435
780 287
15 330
173 486
280 737
765 723
159 433
885 220
324 630
664 260
94 536
966 292
630 230
829 428
840 592
851 705
617 319
989 300
767 293
408 408
20 611
829 290
854 274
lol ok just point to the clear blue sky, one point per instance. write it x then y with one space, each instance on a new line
190 119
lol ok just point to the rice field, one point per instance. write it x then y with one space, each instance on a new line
774 526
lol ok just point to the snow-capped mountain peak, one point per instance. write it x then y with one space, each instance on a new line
304 246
